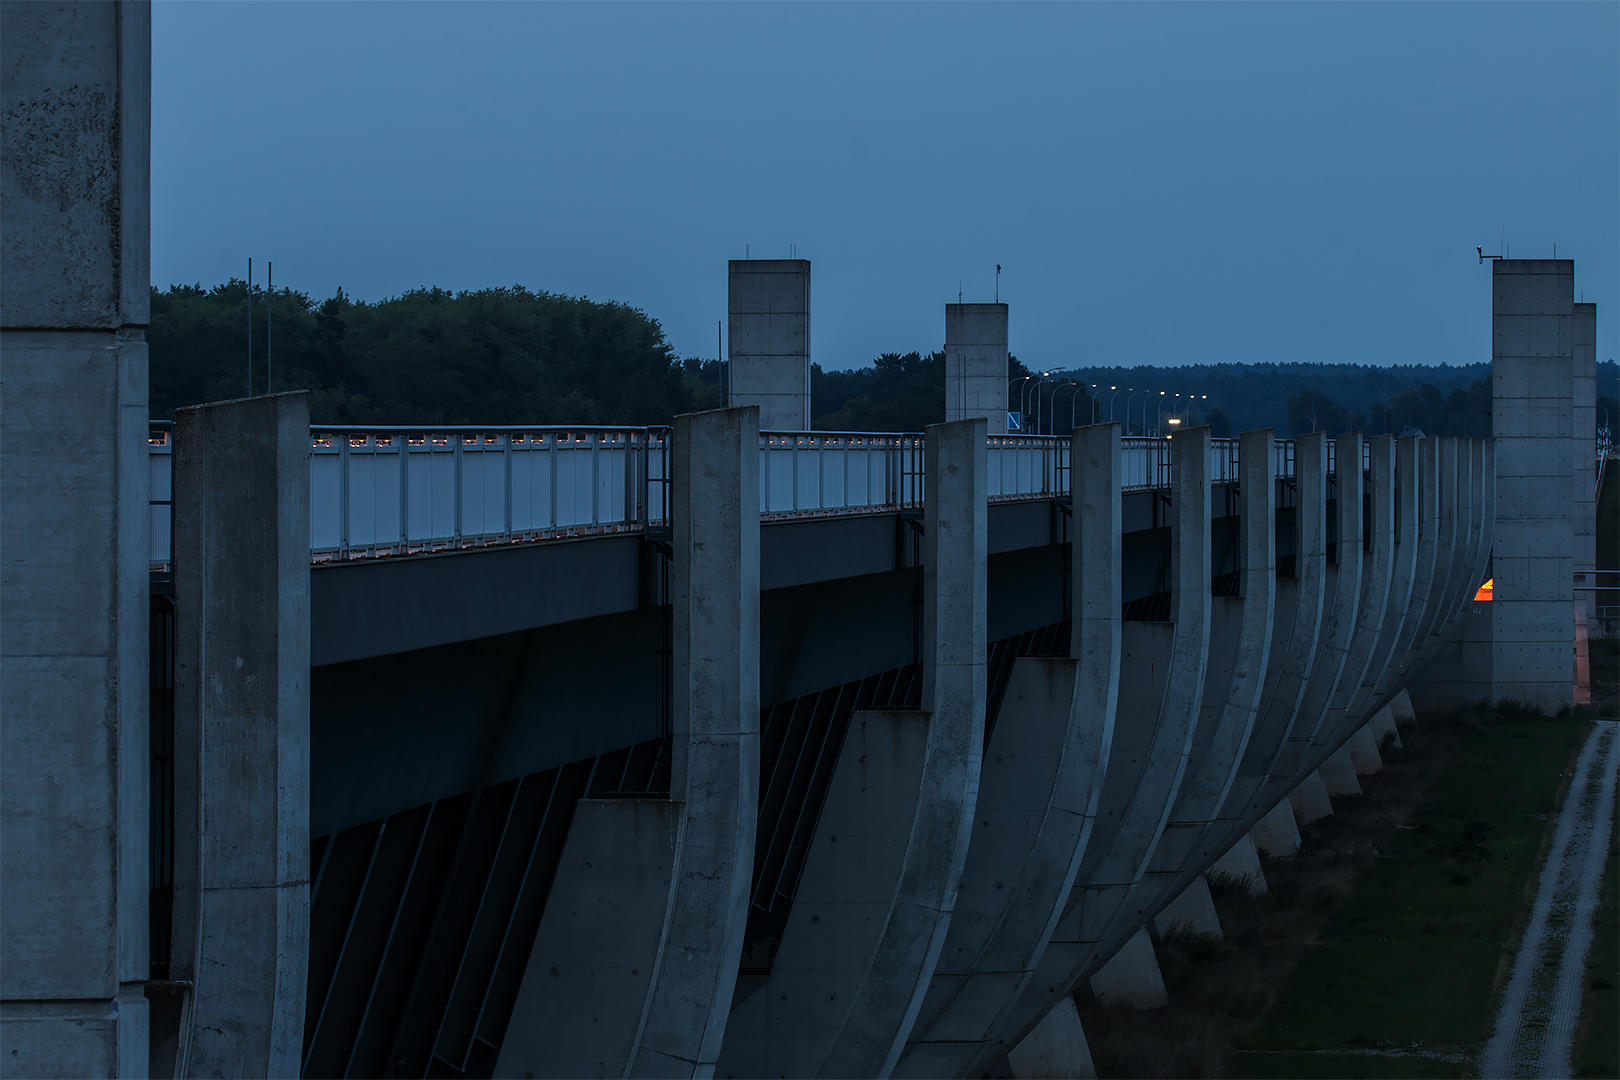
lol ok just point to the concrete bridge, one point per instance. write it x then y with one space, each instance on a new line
688 751
664 751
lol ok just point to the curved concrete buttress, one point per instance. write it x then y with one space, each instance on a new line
1255 790
1192 840
1417 493
1377 570
1161 691
1038 790
1472 505
1338 633
715 751
1365 701
1434 561
1451 557
874 902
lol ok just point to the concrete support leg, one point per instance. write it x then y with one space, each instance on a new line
74 745
1338 773
1382 726
242 869
1363 749
1277 834
1056 1049
1400 707
1310 799
1193 909
878 888
1131 977
1242 863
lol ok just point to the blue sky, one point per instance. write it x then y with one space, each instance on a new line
1162 183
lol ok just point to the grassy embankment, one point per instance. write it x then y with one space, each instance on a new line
1378 949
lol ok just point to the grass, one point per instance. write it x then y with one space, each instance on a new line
1378 949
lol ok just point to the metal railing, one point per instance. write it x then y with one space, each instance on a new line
405 490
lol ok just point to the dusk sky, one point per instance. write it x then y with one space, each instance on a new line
1161 183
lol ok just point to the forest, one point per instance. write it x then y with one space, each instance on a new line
516 356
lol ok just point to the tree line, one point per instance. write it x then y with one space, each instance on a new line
516 356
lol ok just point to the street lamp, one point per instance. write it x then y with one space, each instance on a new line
1144 410
1051 402
1074 395
1111 398
1016 379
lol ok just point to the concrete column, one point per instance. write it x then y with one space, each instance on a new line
1384 665
1131 976
1584 504
1338 773
1192 909
1382 724
75 750
1310 799
1056 1049
880 881
769 340
1242 863
976 364
1345 706
1532 381
241 833
1040 783
1363 747
1277 833
715 753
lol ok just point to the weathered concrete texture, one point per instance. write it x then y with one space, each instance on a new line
1131 976
1345 705
1193 909
874 902
1583 510
1338 773
1056 1049
976 364
715 752
768 343
1532 383
1383 666
1310 800
1400 707
74 754
1277 833
242 863
1382 725
1050 764
1363 749
580 1007
1242 863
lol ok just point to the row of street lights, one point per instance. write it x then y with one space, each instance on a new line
1158 417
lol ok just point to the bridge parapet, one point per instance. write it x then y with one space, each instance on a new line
385 491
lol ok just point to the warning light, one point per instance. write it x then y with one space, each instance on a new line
1484 593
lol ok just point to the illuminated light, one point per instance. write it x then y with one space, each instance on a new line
1174 420
1485 590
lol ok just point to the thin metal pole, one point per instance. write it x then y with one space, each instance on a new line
250 327
269 325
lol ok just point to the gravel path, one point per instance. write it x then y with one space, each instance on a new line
1541 1005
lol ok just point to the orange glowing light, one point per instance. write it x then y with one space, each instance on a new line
1484 593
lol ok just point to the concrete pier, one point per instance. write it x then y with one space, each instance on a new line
768 344
1583 516
1056 1049
1310 799
1242 863
1131 976
74 761
976 364
1277 833
241 733
1532 381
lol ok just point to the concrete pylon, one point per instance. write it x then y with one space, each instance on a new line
1533 390
976 364
1338 773
1277 833
1039 788
75 749
768 344
1377 578
1242 863
1056 1049
1131 976
1363 749
1192 909
241 733
879 885
1310 799
641 984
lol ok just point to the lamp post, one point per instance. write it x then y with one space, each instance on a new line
1074 394
1022 380
1041 382
1051 403
1128 401
1111 398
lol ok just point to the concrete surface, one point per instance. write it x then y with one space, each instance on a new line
1131 976
1583 508
1310 799
976 364
1192 909
1363 749
74 754
1532 381
1242 863
583 998
1277 833
714 581
1338 773
241 733
1055 1049
768 342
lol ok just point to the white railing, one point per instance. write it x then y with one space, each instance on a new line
406 490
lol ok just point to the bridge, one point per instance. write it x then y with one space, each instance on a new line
1038 688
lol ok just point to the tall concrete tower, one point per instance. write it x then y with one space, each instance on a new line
976 363
1585 500
76 754
769 340
1533 387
